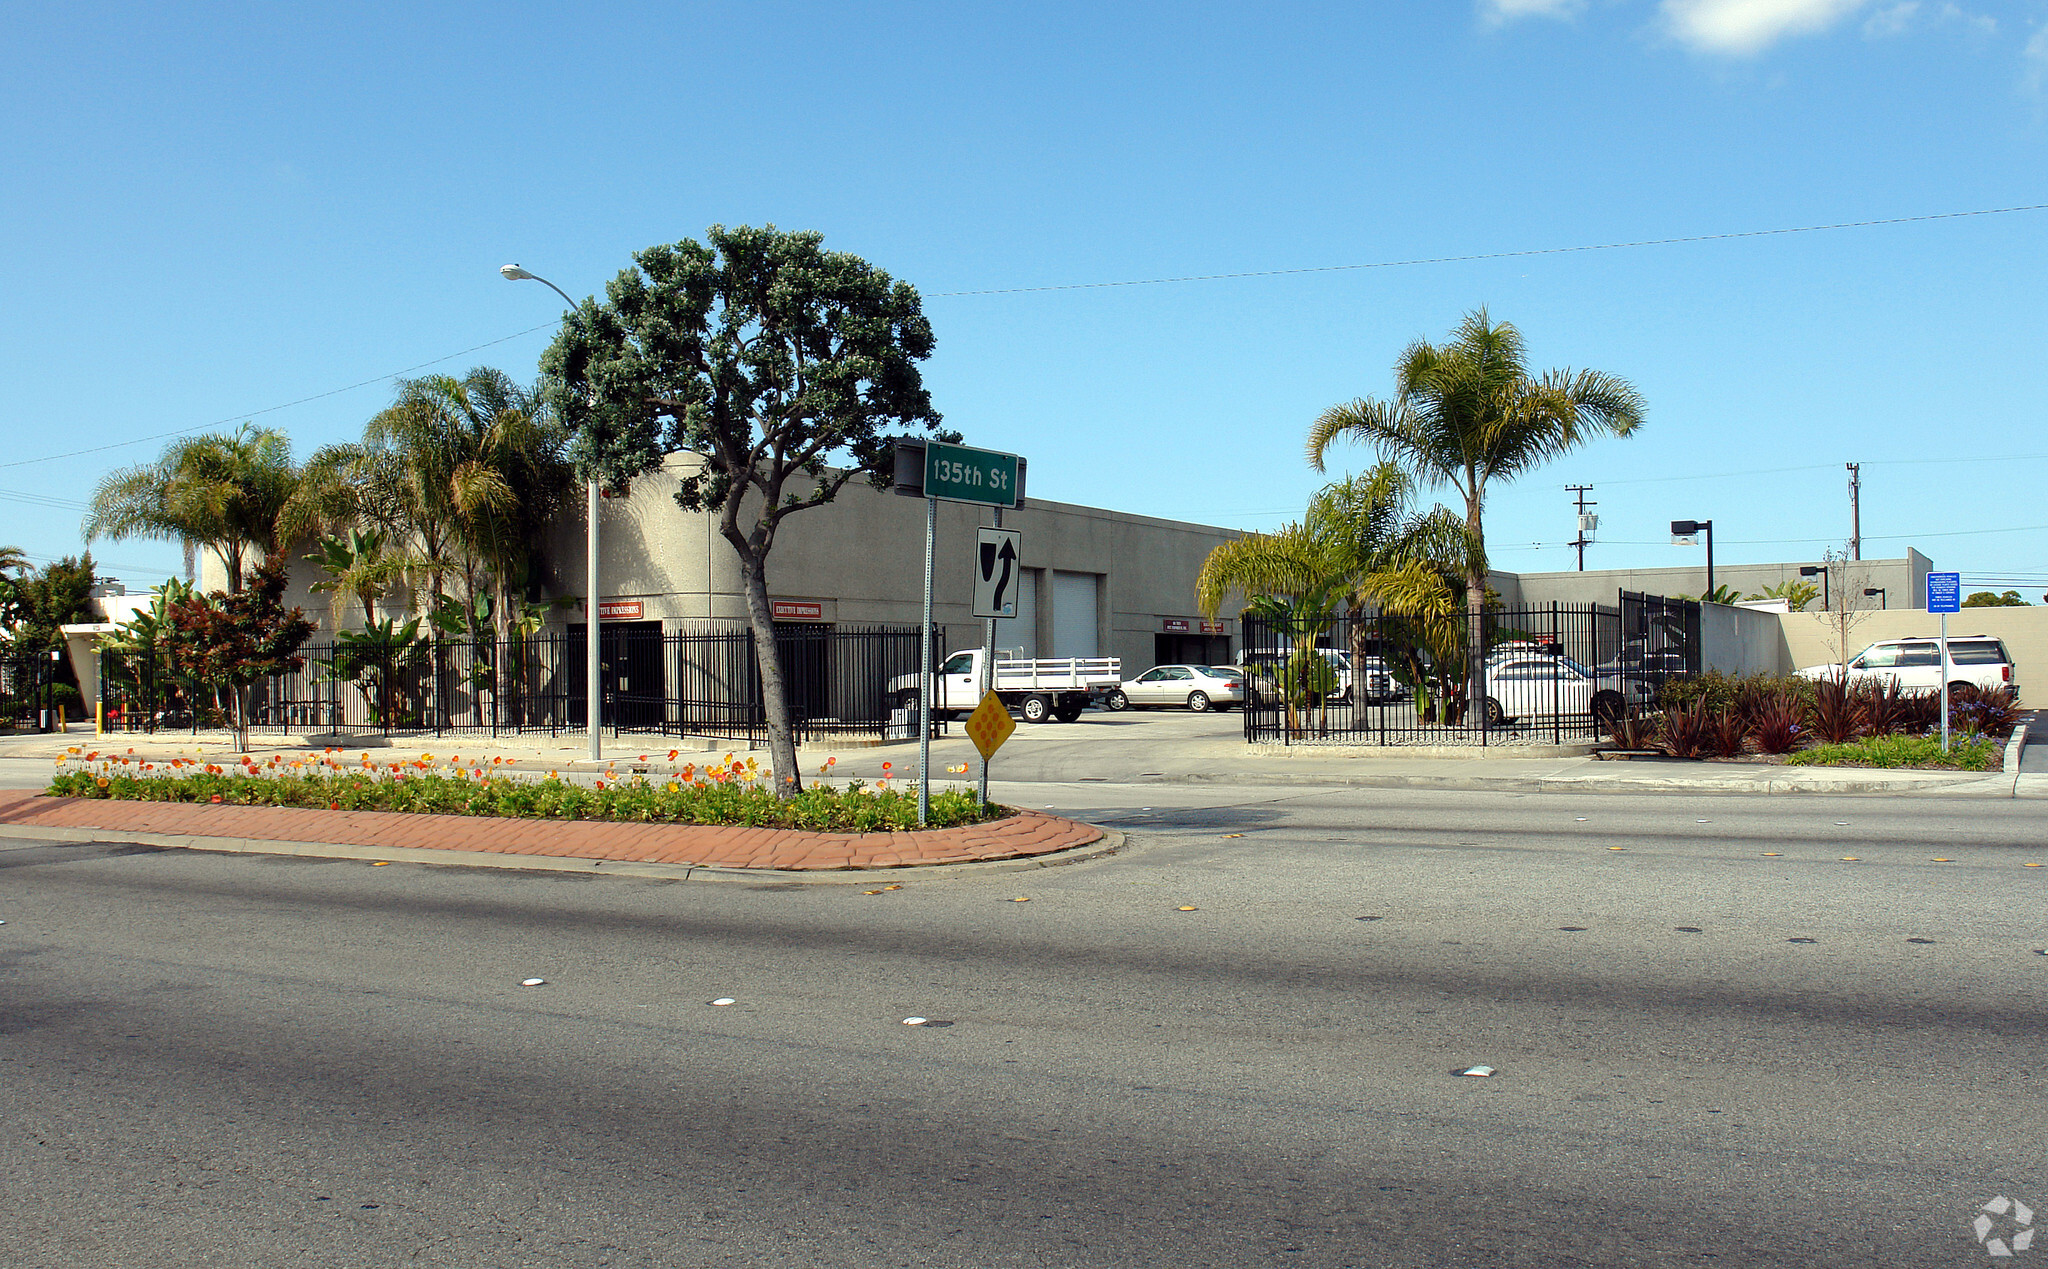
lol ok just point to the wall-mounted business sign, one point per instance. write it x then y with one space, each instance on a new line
795 610
1212 627
1174 625
620 610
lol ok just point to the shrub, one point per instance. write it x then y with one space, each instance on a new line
1685 730
1982 711
1726 731
1903 751
1777 726
1634 731
1837 711
1884 707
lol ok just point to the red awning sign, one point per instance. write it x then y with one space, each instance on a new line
620 609
792 610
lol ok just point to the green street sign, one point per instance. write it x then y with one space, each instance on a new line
959 474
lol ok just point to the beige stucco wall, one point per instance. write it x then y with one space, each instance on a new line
1811 639
1904 580
861 558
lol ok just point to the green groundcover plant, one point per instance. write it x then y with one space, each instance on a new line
731 792
1966 753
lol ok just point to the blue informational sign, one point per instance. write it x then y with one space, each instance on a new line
1944 592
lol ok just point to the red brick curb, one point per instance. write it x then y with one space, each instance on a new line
1020 836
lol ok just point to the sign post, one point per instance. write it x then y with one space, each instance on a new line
1944 596
935 471
997 576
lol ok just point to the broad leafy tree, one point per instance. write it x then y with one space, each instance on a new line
1467 413
225 492
780 364
234 639
1987 599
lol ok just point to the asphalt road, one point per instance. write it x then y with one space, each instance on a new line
257 1061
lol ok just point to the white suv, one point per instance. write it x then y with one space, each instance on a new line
1915 663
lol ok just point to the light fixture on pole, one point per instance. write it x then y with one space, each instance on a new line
1821 571
1878 591
592 678
1684 531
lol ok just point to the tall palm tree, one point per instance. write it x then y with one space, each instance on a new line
1469 412
1356 546
464 472
220 491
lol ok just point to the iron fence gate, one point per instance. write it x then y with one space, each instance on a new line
1552 674
28 683
693 680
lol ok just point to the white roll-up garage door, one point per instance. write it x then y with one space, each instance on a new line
1019 634
1073 615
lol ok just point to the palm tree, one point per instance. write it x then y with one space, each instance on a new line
1357 542
223 492
1469 412
465 472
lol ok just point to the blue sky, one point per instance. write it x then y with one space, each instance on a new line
212 210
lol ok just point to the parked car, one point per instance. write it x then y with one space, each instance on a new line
1915 664
1547 686
1262 675
1197 687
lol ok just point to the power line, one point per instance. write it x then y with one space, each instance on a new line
1494 255
1087 286
272 409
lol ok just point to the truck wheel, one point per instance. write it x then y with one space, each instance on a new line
1198 702
907 701
1955 689
1116 700
1038 708
1069 712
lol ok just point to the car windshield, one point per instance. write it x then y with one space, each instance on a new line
1222 671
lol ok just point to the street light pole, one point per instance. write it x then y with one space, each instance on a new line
1687 528
592 625
1827 599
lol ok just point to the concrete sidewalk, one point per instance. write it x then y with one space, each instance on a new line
1111 749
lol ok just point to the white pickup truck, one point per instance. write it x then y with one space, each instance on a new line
1041 691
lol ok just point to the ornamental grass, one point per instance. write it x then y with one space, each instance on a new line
732 792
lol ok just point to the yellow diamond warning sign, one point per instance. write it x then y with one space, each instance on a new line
990 725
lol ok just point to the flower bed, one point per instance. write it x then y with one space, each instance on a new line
733 792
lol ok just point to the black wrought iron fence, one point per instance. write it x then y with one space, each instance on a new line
1552 674
696 680
28 696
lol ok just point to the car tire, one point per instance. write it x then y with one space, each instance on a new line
1495 715
1956 687
907 700
1037 709
1116 700
1608 708
1198 702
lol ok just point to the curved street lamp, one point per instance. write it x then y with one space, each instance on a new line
592 677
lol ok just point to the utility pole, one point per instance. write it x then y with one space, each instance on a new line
1587 524
1855 512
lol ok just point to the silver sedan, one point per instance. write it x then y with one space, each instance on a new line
1198 687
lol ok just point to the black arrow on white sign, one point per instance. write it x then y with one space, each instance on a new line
998 571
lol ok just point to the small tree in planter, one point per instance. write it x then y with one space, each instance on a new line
236 639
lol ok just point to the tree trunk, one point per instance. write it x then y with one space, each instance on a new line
774 698
244 696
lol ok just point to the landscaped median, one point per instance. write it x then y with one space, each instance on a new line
717 817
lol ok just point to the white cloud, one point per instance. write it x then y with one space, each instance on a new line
1498 12
1749 26
1891 20
2036 55
1975 23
